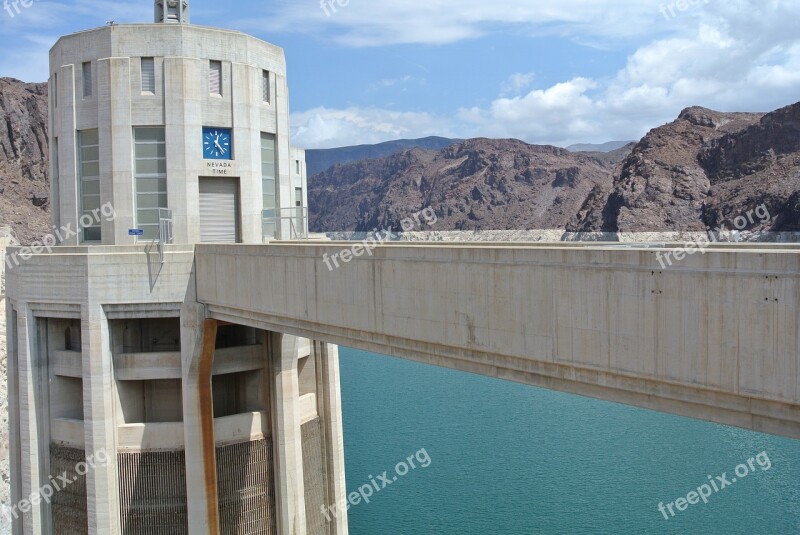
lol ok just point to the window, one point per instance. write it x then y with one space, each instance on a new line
89 175
87 79
173 13
148 75
215 78
297 165
150 152
265 87
55 89
268 172
298 197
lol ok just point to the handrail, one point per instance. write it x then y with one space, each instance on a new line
296 219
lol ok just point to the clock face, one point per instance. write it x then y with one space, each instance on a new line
217 144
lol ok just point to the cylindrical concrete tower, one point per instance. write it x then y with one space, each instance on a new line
191 423
173 124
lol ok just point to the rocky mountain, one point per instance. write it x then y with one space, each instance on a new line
479 184
704 170
24 187
701 171
318 160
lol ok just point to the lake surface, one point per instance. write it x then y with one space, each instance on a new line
510 459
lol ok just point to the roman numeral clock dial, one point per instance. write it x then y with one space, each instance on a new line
217 144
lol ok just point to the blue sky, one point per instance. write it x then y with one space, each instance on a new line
545 71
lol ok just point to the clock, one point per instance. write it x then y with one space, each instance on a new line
217 144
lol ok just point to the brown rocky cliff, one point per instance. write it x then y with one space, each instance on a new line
24 187
480 184
704 170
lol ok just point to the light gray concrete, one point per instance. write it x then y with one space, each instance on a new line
331 409
288 443
714 337
99 421
33 448
81 285
201 480
146 375
181 104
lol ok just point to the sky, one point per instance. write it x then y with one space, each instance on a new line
544 71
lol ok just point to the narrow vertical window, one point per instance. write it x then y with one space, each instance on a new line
298 197
215 78
150 152
55 89
87 79
297 164
268 173
265 87
148 75
89 175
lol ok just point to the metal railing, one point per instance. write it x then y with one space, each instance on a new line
280 222
165 237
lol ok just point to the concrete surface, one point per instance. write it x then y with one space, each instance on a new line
713 337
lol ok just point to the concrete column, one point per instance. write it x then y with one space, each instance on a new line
198 340
14 416
183 115
68 161
102 482
289 488
283 154
30 415
245 108
116 125
330 403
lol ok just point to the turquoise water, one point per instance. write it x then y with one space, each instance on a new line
511 459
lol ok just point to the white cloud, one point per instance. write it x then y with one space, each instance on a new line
516 83
401 83
362 23
737 55
323 127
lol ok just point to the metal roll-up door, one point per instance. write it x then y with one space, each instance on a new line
219 210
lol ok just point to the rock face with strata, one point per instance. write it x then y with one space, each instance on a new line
705 170
480 184
701 171
24 157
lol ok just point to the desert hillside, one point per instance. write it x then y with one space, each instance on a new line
24 187
700 171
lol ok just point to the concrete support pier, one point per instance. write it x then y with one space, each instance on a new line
288 445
